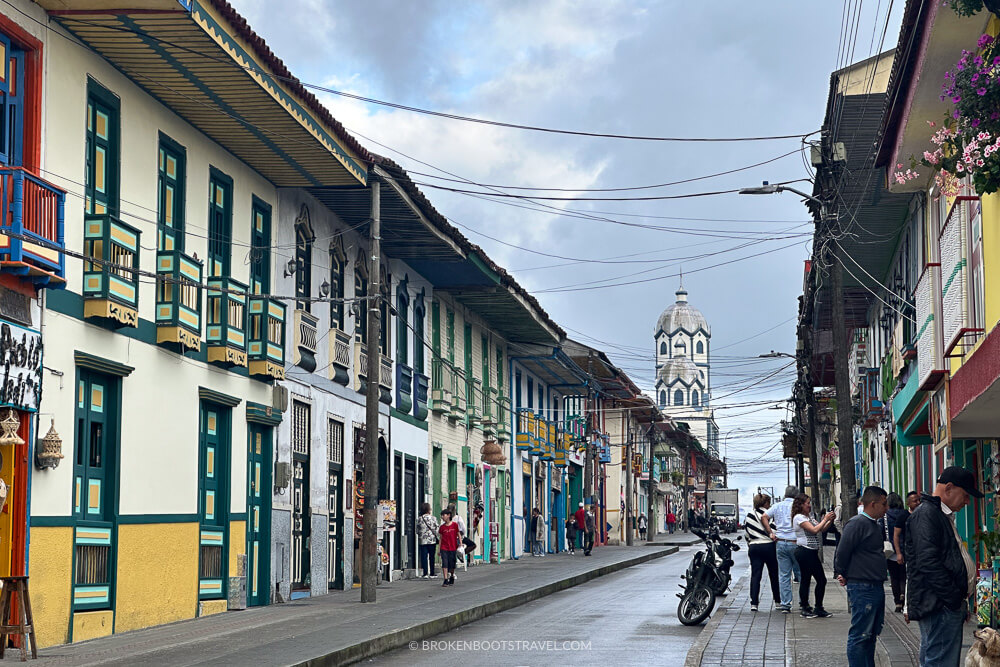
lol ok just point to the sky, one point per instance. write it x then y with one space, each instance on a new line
651 69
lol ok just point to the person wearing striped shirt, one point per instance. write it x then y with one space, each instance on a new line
763 551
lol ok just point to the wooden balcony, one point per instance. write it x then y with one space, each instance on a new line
360 368
473 402
503 419
226 333
490 410
178 301
526 430
340 356
111 281
306 333
457 410
31 230
420 396
266 350
404 388
441 385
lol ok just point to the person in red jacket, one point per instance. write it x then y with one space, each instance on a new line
448 531
581 523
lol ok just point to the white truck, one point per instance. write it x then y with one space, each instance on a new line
723 507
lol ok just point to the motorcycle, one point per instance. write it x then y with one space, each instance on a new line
706 578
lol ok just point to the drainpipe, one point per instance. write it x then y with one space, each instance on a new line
511 424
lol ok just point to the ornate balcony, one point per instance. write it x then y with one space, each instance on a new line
441 384
227 322
340 356
360 367
178 300
111 281
526 430
32 210
404 387
503 419
420 396
385 379
473 402
267 338
490 410
457 398
306 328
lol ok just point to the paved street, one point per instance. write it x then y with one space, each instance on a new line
628 618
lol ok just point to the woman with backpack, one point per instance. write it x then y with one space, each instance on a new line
427 527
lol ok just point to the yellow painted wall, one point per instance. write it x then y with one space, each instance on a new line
50 564
209 607
991 258
237 545
92 624
157 574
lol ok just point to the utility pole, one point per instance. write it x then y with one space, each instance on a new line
845 426
628 481
687 473
369 539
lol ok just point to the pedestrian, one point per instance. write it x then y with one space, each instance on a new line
897 570
781 516
940 575
590 527
537 533
642 526
427 527
861 562
808 538
460 553
671 522
581 523
898 536
571 535
762 550
448 533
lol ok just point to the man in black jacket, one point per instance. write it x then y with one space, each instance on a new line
860 562
940 575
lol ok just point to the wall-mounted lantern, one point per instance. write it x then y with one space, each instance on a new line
8 429
49 451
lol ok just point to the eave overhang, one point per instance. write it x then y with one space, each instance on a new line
201 60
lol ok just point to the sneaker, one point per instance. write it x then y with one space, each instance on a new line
446 583
784 609
795 580
899 608
425 576
822 613
805 608
451 579
433 576
753 607
808 613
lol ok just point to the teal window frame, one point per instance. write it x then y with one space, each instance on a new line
338 266
304 240
402 324
170 228
100 100
220 224
260 246
452 477
419 316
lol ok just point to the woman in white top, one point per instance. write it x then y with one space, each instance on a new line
808 537
762 551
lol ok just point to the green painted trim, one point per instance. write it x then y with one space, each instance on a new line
481 265
463 499
51 522
143 519
69 303
238 516
100 364
263 414
207 394
409 419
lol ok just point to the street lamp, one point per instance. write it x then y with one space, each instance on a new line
774 355
768 189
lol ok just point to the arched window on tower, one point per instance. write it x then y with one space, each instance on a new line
694 397
701 348
663 347
663 398
678 397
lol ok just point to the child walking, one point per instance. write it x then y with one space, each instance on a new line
448 531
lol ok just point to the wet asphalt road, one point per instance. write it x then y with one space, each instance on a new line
626 618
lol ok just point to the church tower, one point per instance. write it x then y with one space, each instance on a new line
682 342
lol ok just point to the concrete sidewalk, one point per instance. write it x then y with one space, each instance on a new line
336 629
768 638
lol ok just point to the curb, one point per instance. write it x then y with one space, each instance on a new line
690 543
697 649
403 636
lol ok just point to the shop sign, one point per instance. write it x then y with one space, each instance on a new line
557 476
21 365
526 467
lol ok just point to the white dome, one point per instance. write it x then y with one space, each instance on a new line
679 368
682 316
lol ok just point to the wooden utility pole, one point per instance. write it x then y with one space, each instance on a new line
369 539
845 426
628 481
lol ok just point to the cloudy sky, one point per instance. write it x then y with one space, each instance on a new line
664 69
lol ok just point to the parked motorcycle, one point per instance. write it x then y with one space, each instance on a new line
708 576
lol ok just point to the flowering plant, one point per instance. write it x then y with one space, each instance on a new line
971 7
967 143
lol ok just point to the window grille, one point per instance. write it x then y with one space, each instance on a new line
300 428
335 442
92 564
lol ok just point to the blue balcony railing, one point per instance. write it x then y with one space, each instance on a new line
33 211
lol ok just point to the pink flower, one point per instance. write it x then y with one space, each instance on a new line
931 123
984 41
980 91
979 162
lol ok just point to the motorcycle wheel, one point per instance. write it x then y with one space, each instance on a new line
723 584
696 605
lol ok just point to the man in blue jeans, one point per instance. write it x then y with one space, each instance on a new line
778 519
860 562
940 574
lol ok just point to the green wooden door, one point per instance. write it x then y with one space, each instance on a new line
213 502
259 515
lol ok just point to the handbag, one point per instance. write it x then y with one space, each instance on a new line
888 550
